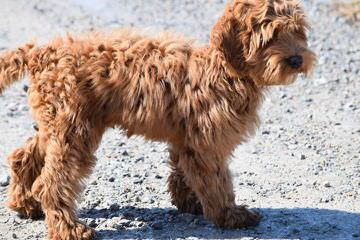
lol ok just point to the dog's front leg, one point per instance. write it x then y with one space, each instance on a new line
208 175
182 196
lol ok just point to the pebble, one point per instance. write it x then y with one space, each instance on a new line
327 184
93 223
356 235
114 207
4 179
26 88
138 181
35 127
265 132
157 225
121 223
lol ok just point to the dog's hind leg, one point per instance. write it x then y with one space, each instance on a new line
182 196
25 164
69 160
208 174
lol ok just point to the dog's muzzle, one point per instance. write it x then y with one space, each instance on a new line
295 62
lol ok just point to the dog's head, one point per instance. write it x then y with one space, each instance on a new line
265 39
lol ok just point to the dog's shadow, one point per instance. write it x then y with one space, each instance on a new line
164 223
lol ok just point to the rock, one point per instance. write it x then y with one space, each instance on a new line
157 225
138 181
148 199
4 179
356 235
26 88
120 223
327 184
140 159
93 223
114 207
35 127
265 132
302 157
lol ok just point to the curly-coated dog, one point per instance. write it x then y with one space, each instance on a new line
203 101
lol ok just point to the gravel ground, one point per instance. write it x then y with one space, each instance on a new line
301 170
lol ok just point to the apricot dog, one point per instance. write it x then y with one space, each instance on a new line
203 101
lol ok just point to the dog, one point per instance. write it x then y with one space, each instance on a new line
201 100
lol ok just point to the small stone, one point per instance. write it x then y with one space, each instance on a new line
14 236
139 224
356 235
302 157
124 223
93 223
157 225
125 153
265 132
138 181
4 179
114 207
26 88
111 179
35 127
158 177
140 159
128 215
327 184
148 199
196 221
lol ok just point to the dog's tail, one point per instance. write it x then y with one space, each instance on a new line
14 65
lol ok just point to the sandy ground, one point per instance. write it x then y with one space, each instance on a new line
301 170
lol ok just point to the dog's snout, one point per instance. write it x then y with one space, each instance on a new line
295 61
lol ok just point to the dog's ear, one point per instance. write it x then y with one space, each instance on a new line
234 33
225 37
250 14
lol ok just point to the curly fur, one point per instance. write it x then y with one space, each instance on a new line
202 101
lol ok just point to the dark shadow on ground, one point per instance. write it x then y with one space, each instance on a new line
282 223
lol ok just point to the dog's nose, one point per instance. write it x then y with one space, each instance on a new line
295 61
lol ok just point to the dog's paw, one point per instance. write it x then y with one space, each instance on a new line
193 207
79 232
239 217
27 208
